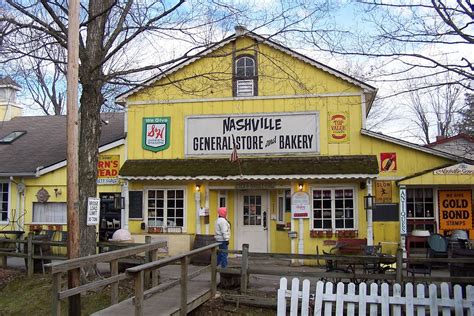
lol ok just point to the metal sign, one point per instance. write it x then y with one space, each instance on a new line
383 192
156 133
459 169
93 210
276 133
338 127
107 169
300 205
455 210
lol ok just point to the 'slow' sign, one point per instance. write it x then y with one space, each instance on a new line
455 210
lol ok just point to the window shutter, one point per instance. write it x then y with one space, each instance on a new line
245 88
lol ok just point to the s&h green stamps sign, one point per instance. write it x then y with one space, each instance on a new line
156 133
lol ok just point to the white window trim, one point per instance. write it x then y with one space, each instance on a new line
435 203
145 203
8 202
222 194
281 195
333 206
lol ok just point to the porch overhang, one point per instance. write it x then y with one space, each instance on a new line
258 169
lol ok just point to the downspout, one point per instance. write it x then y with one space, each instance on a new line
370 228
206 205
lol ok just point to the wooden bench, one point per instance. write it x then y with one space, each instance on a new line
350 246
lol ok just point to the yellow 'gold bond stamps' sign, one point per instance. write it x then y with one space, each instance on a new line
383 192
455 210
338 127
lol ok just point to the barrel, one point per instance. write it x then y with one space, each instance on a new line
203 258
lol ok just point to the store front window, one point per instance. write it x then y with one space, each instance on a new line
333 209
50 213
166 208
420 206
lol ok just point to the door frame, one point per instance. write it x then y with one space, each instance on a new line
238 212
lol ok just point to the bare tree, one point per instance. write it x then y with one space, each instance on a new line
434 109
408 38
120 43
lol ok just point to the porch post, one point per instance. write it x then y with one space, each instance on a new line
370 228
125 212
197 200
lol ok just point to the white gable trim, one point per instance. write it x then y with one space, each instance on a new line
271 97
410 145
63 163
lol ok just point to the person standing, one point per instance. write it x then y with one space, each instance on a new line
222 236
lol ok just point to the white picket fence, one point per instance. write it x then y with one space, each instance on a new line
347 302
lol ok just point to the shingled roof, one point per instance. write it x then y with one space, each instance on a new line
44 143
252 168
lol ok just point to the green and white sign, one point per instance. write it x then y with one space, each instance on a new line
156 133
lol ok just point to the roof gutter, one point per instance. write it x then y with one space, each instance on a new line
19 174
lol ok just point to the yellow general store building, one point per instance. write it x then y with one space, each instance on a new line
307 169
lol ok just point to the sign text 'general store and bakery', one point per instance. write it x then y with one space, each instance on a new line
276 133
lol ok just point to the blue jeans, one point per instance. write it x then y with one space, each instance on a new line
222 256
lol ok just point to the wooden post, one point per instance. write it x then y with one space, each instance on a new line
244 277
31 267
184 286
147 259
55 289
72 127
399 274
139 288
213 272
114 288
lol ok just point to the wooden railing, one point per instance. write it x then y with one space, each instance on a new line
139 272
112 257
26 248
399 276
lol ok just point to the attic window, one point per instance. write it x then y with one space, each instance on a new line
245 76
10 138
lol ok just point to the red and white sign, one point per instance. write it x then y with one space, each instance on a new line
388 162
300 205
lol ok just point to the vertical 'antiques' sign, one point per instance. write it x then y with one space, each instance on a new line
338 127
300 205
156 133
403 210
107 169
383 192
455 210
388 162
93 210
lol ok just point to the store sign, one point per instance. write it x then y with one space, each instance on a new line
403 211
300 205
108 169
276 133
156 133
93 208
338 127
388 162
383 192
455 210
459 169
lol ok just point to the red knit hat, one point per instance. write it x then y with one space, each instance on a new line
222 211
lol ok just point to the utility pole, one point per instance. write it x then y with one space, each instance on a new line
72 151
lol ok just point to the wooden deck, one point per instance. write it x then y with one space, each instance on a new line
164 303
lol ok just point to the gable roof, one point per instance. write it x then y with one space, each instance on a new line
412 145
8 82
462 136
369 90
44 143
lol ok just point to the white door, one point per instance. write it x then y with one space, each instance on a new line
252 220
